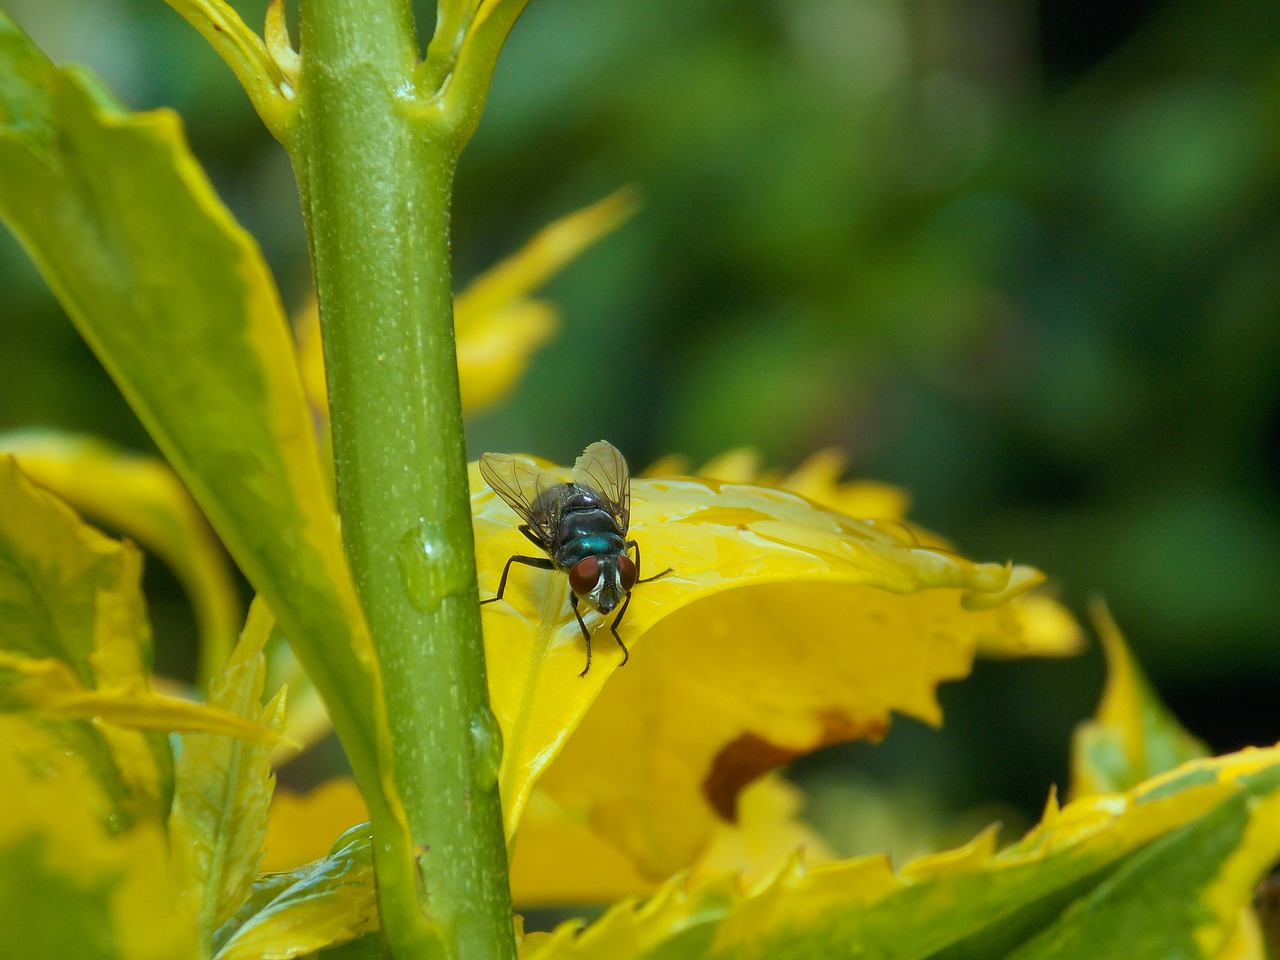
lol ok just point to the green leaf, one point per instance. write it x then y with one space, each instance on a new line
1180 897
1133 735
223 789
175 299
142 498
1170 864
323 904
71 611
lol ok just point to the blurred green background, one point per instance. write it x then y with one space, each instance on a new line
1021 259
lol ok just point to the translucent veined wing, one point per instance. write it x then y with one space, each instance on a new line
603 468
521 482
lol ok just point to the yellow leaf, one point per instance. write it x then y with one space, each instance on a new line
497 325
559 859
1047 629
818 478
783 627
69 881
302 827
142 497
1246 941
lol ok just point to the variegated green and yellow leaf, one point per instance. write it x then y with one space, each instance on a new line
176 301
73 882
322 904
141 497
222 790
75 634
1160 871
1133 735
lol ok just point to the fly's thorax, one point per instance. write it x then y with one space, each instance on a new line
586 533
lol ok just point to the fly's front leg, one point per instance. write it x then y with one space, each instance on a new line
630 544
586 634
542 563
626 654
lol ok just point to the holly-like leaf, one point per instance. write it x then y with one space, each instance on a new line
783 627
1160 871
223 790
142 498
176 301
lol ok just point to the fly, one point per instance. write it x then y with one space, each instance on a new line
581 526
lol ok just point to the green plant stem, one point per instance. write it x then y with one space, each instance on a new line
376 190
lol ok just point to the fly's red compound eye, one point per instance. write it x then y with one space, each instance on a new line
584 575
626 573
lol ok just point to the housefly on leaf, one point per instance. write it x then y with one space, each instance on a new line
581 526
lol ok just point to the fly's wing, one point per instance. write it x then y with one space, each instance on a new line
520 482
602 468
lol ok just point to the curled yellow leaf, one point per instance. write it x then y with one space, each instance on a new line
1047 629
783 627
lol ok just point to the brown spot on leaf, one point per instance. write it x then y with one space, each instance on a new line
748 756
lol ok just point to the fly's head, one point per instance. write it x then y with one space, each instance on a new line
604 580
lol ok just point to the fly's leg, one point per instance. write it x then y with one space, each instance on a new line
656 576
586 634
542 563
613 627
